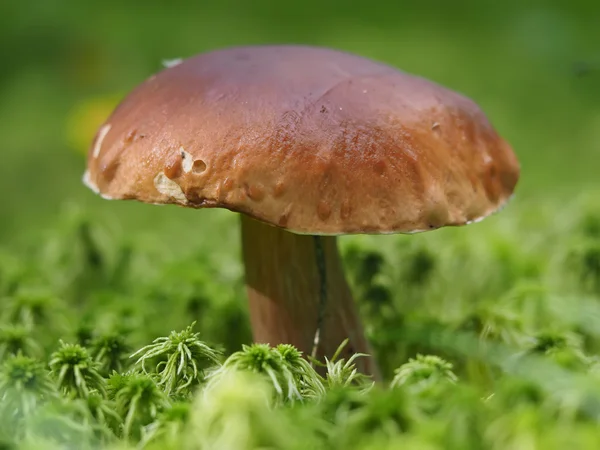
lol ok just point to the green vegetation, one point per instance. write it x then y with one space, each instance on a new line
487 337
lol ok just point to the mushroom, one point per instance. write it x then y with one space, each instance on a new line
307 144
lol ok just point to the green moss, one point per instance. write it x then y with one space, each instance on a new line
483 341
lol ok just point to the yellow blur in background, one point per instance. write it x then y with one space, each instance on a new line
85 119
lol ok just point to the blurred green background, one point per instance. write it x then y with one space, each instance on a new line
533 66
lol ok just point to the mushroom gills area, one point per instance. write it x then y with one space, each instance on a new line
284 288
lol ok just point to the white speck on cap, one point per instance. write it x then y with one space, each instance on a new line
88 182
168 187
101 135
168 63
187 162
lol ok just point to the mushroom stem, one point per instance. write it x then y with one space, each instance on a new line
321 267
287 289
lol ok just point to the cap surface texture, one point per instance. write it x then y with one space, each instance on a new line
313 140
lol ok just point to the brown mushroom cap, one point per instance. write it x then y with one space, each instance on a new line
313 140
